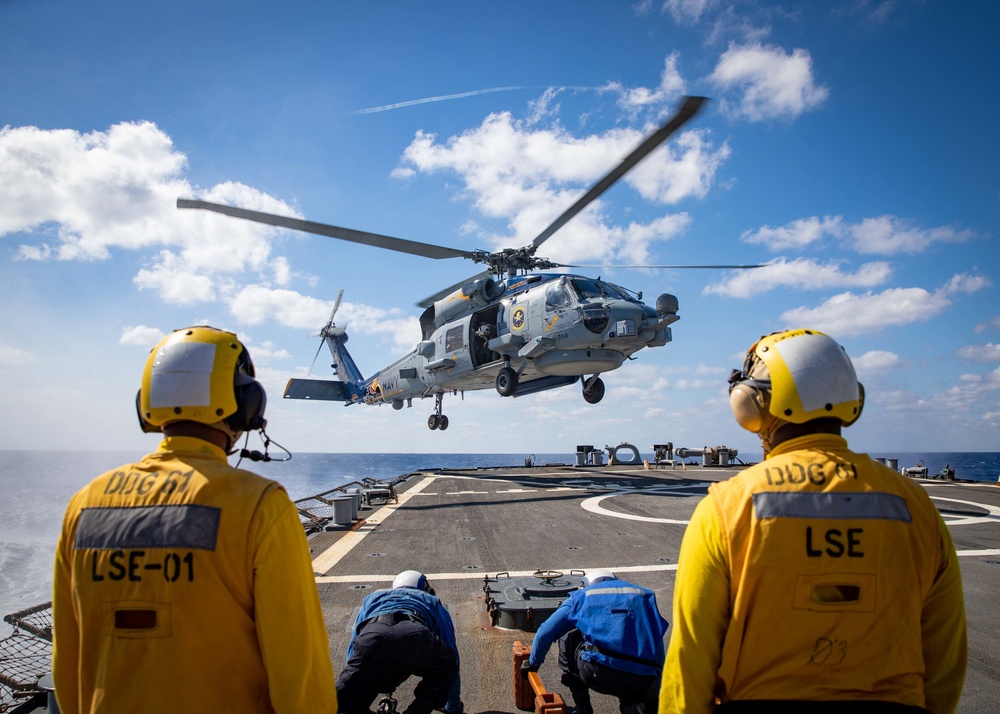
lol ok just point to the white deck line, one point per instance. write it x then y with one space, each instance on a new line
332 555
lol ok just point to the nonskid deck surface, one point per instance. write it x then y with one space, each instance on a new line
461 526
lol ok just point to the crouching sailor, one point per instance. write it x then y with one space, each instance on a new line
610 640
400 633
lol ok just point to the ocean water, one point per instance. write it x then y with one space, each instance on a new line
36 485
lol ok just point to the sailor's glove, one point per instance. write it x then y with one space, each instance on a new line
526 667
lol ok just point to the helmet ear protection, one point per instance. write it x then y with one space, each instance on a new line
750 405
250 403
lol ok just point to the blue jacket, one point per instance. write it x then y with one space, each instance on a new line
617 618
427 608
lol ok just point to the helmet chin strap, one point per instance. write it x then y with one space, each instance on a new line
768 431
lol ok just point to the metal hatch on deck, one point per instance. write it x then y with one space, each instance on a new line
524 603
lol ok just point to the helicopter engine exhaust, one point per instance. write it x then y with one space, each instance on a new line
483 291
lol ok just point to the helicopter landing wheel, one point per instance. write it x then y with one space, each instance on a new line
432 422
593 390
506 382
442 422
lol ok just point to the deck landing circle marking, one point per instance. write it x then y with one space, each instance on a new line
993 512
593 504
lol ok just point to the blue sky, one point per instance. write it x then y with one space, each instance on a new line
850 145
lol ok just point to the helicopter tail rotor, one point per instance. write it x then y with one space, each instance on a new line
328 330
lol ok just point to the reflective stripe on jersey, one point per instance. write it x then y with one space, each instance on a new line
613 591
784 504
171 526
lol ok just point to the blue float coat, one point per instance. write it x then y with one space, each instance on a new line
615 616
424 606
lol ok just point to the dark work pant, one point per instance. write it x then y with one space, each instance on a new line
385 656
579 673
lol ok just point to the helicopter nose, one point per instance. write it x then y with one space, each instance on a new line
666 304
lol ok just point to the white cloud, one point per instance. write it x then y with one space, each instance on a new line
90 194
797 234
965 283
688 11
141 336
850 314
989 324
101 190
981 353
876 362
528 176
773 83
255 304
883 235
11 356
890 235
799 274
672 85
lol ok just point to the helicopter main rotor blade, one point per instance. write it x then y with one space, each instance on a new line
336 306
688 109
675 267
316 356
401 245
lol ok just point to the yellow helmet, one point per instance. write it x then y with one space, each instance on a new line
794 376
201 374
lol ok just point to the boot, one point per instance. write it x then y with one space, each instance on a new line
581 700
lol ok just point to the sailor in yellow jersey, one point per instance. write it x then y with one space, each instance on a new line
818 580
183 584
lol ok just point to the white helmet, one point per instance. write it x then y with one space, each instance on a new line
411 579
596 576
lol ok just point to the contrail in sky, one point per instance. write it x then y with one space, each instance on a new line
442 98
427 100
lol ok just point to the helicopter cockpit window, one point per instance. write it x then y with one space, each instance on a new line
613 291
557 297
587 288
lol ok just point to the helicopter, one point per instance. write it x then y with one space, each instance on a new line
508 328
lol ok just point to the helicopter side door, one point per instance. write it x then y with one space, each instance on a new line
451 355
483 327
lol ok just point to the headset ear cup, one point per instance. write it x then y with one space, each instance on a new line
250 403
746 403
861 404
143 424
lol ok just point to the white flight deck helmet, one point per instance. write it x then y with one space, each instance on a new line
596 576
411 579
792 377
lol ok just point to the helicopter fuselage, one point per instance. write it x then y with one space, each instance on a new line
548 329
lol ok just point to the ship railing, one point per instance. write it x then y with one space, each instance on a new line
25 657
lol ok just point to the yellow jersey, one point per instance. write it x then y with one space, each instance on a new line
816 575
182 584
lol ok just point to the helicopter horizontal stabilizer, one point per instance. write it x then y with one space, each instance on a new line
323 390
